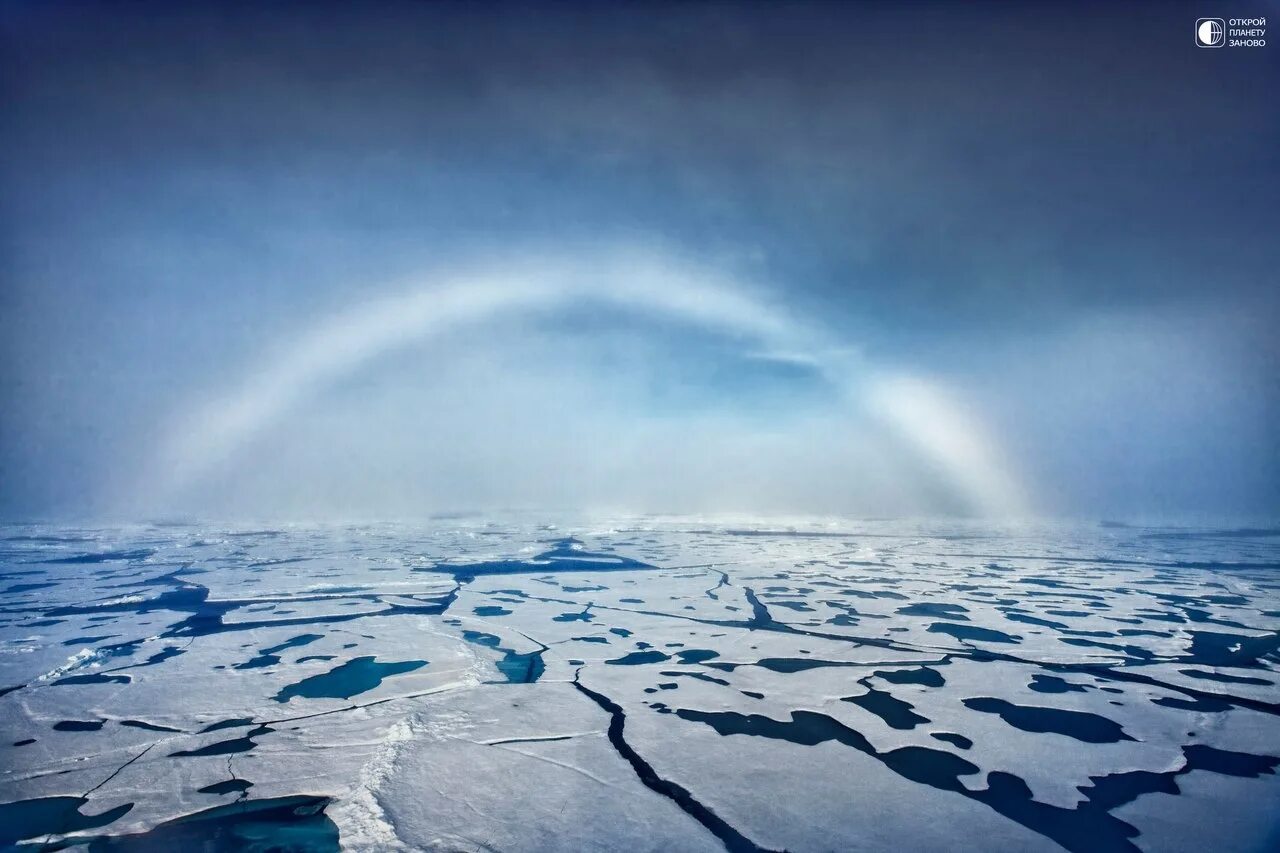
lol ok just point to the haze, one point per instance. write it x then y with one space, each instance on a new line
994 261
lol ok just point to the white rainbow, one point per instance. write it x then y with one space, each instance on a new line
208 434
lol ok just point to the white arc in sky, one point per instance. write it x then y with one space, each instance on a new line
210 433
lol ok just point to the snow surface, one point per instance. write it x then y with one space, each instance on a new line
655 684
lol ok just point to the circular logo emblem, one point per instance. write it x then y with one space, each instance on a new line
1209 32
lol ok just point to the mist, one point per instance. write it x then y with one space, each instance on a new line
349 265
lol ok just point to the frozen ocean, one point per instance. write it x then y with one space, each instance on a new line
641 684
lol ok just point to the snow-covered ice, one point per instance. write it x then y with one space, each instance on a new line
653 684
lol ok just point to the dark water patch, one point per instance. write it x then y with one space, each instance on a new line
793 665
1205 617
636 658
1053 684
933 767
798 606
27 587
76 641
184 599
1138 632
921 675
1226 679
936 768
487 610
356 676
1081 725
306 658
953 739
1026 619
150 727
895 712
591 639
938 611
225 747
691 656
700 676
295 824
27 819
518 668
1084 829
583 616
1229 600
271 656
1215 648
78 725
1117 789
206 617
1201 704
24 742
1160 616
752 693
1090 826
1132 652
783 665
233 723
102 557
563 557
1201 757
159 657
1129 675
43 623
228 786
1045 582
94 678
621 632
972 632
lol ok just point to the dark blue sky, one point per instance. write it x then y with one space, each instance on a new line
1064 213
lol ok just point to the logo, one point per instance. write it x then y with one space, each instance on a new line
1210 32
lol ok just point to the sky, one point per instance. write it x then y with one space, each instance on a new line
386 260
